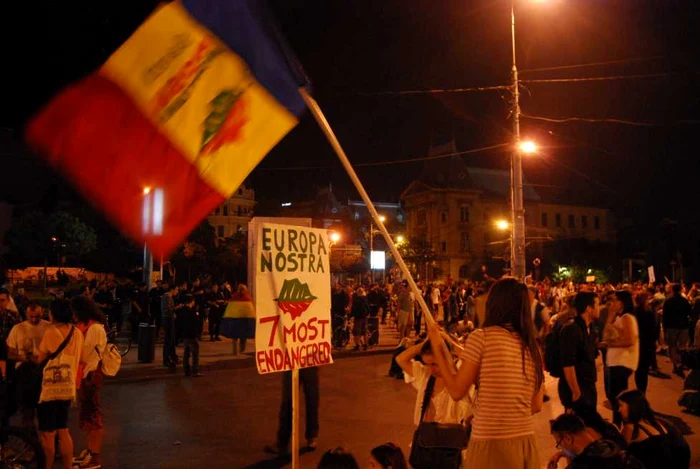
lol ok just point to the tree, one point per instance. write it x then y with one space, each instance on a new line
418 253
37 237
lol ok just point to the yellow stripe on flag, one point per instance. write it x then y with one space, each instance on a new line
239 309
201 95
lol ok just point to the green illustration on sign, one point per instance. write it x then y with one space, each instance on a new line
294 298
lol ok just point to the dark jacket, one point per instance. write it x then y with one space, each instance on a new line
360 308
604 454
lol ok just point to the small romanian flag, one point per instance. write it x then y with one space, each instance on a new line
238 321
169 127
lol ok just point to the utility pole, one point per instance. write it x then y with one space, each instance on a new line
516 167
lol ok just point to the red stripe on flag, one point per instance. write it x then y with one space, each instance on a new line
93 134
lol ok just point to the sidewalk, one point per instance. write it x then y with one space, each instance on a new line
219 355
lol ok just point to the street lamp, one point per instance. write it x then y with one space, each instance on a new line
502 224
516 169
528 147
335 237
400 239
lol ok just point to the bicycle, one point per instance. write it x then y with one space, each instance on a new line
21 450
121 340
341 333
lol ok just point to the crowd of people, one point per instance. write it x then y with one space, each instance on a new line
492 383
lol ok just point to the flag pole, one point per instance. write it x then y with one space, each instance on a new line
295 418
330 135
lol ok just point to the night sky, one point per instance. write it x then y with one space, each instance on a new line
357 53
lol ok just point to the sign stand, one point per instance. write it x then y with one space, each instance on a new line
295 418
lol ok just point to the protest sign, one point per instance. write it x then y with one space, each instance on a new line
292 297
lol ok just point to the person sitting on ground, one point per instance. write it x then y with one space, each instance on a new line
387 456
598 427
582 450
338 458
654 441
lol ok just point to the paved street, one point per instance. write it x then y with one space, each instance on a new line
223 419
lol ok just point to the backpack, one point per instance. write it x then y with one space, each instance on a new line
111 360
552 351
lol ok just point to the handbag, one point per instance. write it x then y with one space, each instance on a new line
437 445
59 374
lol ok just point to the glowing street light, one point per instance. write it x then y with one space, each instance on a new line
528 147
382 218
400 239
146 190
335 237
502 225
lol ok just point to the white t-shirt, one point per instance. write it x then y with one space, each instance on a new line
95 340
443 409
435 296
625 356
25 337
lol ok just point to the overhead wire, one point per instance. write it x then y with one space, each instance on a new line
593 64
584 79
390 162
592 120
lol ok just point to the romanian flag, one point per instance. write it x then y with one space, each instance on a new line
238 321
169 127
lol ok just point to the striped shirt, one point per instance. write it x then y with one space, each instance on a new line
503 405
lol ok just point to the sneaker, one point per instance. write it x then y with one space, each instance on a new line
79 458
312 444
87 463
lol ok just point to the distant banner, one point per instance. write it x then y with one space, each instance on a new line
292 297
652 277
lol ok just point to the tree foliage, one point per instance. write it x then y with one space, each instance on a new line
36 237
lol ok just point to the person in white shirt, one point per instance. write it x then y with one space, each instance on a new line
417 372
91 322
22 344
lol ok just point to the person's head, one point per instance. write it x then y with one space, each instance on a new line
183 286
4 298
242 289
174 290
61 312
634 407
34 313
85 310
622 302
676 288
337 458
188 300
570 434
428 358
586 302
508 306
387 456
215 288
361 292
641 300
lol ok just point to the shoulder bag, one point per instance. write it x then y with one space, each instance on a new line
437 445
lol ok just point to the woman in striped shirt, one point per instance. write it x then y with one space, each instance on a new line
504 361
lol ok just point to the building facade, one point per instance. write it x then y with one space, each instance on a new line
232 216
455 209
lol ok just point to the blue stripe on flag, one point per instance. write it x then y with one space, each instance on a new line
242 25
